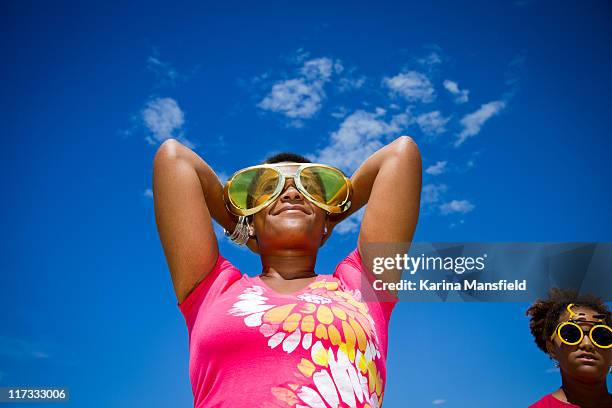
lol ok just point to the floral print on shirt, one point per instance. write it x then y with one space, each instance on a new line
342 369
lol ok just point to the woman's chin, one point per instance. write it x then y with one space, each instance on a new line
589 372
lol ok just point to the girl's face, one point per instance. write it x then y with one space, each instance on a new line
583 361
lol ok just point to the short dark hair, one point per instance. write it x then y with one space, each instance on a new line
545 313
286 157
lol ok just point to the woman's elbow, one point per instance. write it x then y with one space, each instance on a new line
406 148
168 150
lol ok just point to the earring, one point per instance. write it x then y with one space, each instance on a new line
325 230
240 236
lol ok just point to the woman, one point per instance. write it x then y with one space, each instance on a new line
575 331
288 337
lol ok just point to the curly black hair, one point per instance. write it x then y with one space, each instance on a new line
545 313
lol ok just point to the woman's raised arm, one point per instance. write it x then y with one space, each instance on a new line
389 182
187 192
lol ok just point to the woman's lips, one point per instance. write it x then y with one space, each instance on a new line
292 209
587 358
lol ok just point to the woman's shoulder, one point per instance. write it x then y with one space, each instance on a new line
223 275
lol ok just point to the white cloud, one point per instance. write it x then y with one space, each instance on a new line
436 169
412 85
461 95
351 224
338 67
438 402
432 59
432 123
456 206
340 112
456 224
318 69
431 193
164 119
302 97
359 135
164 71
294 98
349 84
148 193
473 122
300 55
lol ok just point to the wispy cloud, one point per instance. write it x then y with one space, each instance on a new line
164 71
148 193
164 119
431 59
20 349
456 206
438 402
351 224
472 123
350 81
513 74
456 224
360 135
302 97
340 112
461 95
432 123
432 193
349 84
436 169
412 85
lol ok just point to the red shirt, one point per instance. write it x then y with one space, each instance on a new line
548 401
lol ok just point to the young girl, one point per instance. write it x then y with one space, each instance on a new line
575 331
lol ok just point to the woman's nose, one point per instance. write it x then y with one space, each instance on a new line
291 192
586 343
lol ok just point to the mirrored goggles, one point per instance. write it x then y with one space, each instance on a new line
251 189
571 332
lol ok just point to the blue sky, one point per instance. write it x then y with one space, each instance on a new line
508 101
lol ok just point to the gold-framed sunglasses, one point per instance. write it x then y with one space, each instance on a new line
253 188
571 333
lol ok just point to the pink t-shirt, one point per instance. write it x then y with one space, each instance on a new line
318 347
548 401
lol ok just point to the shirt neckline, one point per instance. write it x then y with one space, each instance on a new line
304 289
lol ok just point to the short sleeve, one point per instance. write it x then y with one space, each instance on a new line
218 280
354 276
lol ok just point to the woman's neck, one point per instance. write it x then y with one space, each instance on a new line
288 266
586 395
